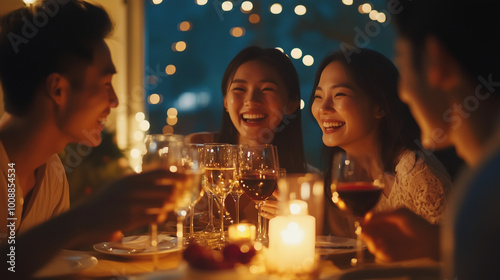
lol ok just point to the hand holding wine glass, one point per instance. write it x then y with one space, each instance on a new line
356 188
258 175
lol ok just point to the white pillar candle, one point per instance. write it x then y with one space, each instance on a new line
292 241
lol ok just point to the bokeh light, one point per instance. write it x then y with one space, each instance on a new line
381 17
254 18
144 125
296 53
300 10
201 2
167 129
171 121
237 31
184 26
156 2
154 98
170 69
179 46
308 60
227 6
365 8
172 113
246 6
347 2
373 15
276 8
140 116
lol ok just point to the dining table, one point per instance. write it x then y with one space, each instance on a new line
172 266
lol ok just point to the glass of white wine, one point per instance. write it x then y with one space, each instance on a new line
220 161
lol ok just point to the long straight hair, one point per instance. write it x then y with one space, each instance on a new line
288 138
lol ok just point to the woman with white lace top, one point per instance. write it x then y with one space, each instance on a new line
355 102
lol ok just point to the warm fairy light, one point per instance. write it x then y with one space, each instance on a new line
373 15
308 60
179 46
135 153
254 18
184 26
138 135
227 6
347 2
172 113
365 8
167 129
156 2
381 17
29 2
276 8
172 121
154 99
237 31
144 125
173 168
296 53
140 116
170 69
302 104
246 6
201 2
280 49
300 10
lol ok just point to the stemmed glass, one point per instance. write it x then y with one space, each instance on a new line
190 189
220 161
162 151
356 188
258 176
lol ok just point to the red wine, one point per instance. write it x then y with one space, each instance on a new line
358 197
258 186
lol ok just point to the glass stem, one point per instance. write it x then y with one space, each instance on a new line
359 249
191 221
154 244
181 216
259 222
238 209
222 211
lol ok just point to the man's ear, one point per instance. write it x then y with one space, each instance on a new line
57 87
443 71
292 106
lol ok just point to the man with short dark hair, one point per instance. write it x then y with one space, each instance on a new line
449 60
56 72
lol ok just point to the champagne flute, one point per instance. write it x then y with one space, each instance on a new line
236 193
191 189
258 175
356 188
220 172
161 152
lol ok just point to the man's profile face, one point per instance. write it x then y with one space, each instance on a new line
88 106
427 105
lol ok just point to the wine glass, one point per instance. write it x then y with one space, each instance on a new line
258 175
162 151
356 188
190 188
220 162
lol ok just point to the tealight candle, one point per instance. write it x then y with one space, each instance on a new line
292 241
241 232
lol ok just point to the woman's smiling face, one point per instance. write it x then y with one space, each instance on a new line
347 117
256 100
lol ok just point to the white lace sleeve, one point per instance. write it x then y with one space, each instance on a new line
421 186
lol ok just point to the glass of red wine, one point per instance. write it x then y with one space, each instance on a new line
356 188
258 175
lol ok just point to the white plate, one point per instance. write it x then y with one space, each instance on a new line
65 263
137 246
332 245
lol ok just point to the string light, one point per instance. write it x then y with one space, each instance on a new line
296 53
308 60
237 31
300 10
140 116
154 99
365 8
227 6
246 6
347 2
381 17
276 8
179 46
373 15
170 69
184 26
156 2
280 49
201 2
144 125
254 18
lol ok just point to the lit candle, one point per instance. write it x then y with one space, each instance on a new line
292 241
241 232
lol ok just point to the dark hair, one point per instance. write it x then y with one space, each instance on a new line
48 37
377 77
289 140
469 31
